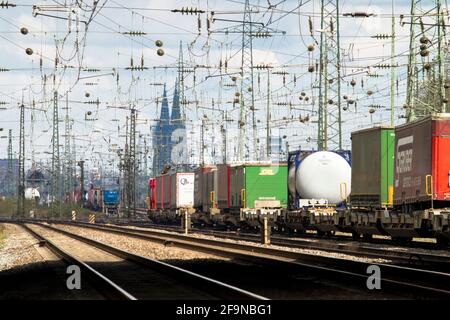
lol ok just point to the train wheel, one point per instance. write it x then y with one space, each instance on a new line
356 236
401 240
442 242
367 237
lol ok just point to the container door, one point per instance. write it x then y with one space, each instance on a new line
441 160
413 160
387 166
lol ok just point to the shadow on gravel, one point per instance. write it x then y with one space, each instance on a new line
40 281
47 281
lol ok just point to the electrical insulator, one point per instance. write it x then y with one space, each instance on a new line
424 53
424 40
187 10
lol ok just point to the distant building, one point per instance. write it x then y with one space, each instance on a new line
162 138
178 131
169 135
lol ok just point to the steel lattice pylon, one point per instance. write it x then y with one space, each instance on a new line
11 179
329 116
247 101
67 152
426 80
248 29
55 177
131 165
21 182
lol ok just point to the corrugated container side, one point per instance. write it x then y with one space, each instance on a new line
372 166
199 187
441 160
160 192
236 186
413 161
152 193
209 187
173 190
198 192
387 166
422 149
366 168
266 183
240 187
222 186
167 190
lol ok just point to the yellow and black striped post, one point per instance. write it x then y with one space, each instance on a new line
74 215
265 231
92 218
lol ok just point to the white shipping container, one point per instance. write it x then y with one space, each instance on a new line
182 190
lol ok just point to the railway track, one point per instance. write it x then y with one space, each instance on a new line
403 256
144 222
119 274
395 278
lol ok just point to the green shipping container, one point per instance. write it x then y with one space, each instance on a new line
373 167
258 186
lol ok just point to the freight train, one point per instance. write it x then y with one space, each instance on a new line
395 182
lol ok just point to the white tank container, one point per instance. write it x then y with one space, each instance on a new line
321 175
32 193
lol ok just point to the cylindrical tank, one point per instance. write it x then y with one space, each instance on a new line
324 175
32 193
291 180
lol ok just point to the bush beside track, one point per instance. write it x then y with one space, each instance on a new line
8 208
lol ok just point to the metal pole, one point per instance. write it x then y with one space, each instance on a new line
268 140
11 178
338 70
21 184
392 66
55 157
81 165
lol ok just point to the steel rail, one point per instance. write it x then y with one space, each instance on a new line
417 259
398 277
107 286
215 287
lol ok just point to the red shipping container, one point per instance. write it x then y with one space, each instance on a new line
152 193
160 192
422 149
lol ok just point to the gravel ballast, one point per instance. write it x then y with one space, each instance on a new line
171 253
16 248
141 247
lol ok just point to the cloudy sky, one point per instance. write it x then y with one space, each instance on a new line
95 45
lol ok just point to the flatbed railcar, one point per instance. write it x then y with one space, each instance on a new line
399 186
